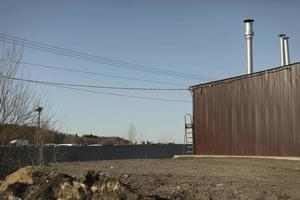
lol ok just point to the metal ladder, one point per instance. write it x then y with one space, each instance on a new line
188 148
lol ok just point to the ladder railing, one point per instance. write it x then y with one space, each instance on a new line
188 148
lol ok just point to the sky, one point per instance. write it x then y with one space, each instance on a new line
204 38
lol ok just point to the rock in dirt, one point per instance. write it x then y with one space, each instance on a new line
23 175
219 185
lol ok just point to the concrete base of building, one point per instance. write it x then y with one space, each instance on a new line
232 156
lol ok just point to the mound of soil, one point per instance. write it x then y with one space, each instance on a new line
33 184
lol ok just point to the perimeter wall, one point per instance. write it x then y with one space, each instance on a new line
13 158
256 114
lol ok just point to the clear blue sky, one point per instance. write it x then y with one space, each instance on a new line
199 37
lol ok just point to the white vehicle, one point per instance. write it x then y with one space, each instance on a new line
19 142
95 145
67 145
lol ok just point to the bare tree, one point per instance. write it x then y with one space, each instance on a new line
16 98
132 133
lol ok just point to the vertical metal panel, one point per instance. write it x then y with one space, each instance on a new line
256 114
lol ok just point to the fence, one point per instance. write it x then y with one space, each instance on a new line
12 158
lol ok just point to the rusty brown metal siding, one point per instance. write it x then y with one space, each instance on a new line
256 114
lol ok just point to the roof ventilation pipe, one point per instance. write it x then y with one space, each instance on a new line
282 49
286 50
249 37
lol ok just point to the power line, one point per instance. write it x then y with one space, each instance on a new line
161 73
113 61
119 65
113 94
98 59
92 73
94 86
122 95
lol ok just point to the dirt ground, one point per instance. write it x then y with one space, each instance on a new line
205 178
200 178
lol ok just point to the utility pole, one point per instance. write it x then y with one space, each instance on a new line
39 110
39 142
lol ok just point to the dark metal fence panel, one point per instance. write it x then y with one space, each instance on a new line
13 158
256 114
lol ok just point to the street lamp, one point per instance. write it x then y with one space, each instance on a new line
39 110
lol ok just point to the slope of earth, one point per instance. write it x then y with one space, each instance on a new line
200 178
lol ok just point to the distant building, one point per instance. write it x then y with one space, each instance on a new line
254 114
19 142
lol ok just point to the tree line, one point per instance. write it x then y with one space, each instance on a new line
9 132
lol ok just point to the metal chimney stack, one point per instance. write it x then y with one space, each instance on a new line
249 36
282 49
286 50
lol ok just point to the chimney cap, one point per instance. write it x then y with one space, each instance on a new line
248 20
287 37
282 35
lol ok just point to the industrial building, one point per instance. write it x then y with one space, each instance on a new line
257 114
253 114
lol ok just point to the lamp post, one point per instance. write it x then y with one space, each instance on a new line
39 110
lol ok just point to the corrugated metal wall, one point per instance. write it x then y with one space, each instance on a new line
256 114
